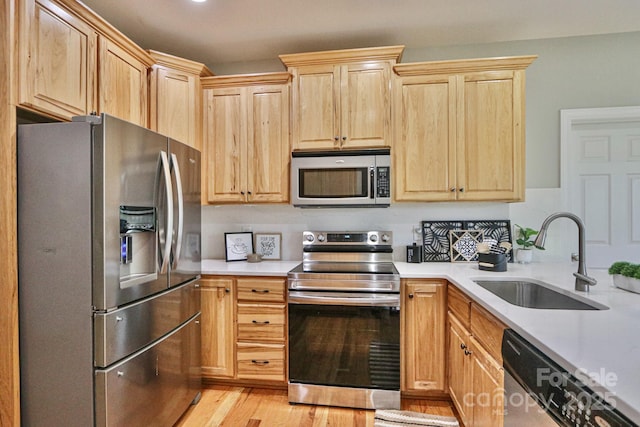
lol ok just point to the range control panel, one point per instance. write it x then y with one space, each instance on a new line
340 238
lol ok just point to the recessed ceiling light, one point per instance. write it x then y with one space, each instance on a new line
198 1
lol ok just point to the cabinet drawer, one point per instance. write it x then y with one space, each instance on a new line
487 330
261 289
459 304
261 361
261 322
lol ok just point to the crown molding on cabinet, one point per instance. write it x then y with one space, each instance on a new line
334 57
245 79
165 60
464 65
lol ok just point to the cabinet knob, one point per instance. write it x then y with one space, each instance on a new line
344 138
461 189
463 346
227 290
467 352
452 189
249 192
242 192
336 138
410 296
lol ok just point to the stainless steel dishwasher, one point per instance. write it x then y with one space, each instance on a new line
539 393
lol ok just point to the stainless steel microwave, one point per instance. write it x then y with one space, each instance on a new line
357 178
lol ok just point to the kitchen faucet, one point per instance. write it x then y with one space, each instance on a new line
582 280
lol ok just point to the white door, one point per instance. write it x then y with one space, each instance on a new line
601 180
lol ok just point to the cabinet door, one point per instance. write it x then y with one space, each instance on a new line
365 105
174 105
225 142
488 388
123 84
491 136
459 370
268 148
424 345
424 144
218 327
316 106
58 54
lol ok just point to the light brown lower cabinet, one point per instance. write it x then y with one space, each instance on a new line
423 335
218 327
244 329
475 373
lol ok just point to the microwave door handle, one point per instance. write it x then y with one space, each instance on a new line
166 172
372 182
178 247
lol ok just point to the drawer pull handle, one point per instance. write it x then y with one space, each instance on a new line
266 322
260 362
263 291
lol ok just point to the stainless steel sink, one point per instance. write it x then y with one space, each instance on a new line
532 293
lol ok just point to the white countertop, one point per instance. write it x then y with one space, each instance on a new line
244 268
602 344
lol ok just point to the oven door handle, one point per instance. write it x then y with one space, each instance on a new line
355 300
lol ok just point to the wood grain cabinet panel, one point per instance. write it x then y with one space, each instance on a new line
261 289
123 84
342 99
175 106
247 141
261 322
475 373
459 130
218 327
57 60
424 338
265 362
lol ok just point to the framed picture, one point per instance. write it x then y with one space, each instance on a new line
268 245
238 246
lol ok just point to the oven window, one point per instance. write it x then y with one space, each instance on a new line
333 183
345 346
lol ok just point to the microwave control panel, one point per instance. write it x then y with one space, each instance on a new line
383 182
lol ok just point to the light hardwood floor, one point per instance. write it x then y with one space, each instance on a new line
253 407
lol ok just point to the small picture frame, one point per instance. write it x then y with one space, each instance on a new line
237 246
268 245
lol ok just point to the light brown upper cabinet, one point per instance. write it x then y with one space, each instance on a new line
175 105
57 60
459 130
342 98
72 62
246 138
123 80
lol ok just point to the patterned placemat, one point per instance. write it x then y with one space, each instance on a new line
435 239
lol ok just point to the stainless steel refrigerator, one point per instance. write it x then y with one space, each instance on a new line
108 270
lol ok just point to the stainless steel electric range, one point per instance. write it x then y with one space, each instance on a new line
344 321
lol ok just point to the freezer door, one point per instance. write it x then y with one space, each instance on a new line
126 330
155 386
185 177
129 165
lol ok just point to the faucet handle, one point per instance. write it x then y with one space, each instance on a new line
586 279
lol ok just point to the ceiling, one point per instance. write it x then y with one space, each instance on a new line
226 31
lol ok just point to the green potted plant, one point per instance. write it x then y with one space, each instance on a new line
525 238
626 275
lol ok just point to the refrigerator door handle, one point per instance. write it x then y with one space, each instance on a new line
169 225
178 247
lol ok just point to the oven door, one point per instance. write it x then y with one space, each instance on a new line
344 339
